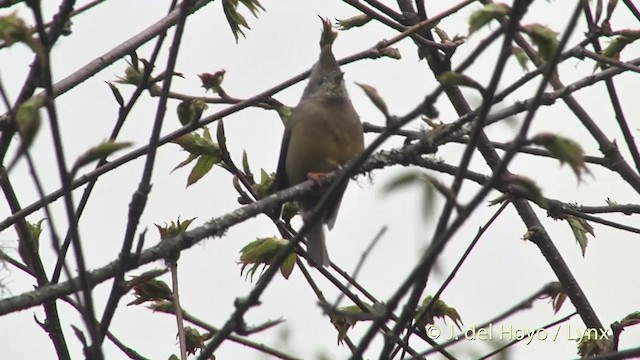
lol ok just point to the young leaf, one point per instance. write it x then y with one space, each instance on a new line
261 252
545 39
580 229
222 142
483 16
35 229
528 186
391 52
198 145
615 47
590 344
99 152
28 121
174 228
402 181
563 149
194 340
521 57
556 294
234 19
132 76
347 317
375 98
152 290
187 161
190 111
246 168
263 188
13 29
438 310
328 35
213 81
203 166
454 78
355 21
631 319
253 5
285 113
288 265
116 93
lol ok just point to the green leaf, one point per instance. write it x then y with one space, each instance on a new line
174 228
528 186
615 47
352 22
391 52
580 228
631 319
198 145
263 188
203 166
190 111
28 120
193 340
521 57
565 150
245 166
35 230
289 210
545 39
185 162
348 316
428 185
234 19
116 93
285 113
375 98
99 152
222 138
328 35
253 5
402 181
454 78
261 252
152 290
438 310
288 265
481 17
132 76
13 29
500 199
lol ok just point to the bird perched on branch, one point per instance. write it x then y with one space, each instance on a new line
323 133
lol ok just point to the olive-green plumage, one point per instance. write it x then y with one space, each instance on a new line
323 133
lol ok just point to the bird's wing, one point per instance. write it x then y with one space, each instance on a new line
280 182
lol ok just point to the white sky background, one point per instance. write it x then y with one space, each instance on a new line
283 41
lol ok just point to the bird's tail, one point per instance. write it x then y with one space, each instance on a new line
316 249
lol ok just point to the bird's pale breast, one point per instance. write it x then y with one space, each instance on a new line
323 137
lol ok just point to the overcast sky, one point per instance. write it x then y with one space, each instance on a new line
283 42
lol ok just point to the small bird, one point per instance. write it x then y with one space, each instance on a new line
323 133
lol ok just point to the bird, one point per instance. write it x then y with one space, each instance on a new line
322 134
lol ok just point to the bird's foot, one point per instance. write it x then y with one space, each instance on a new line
316 177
